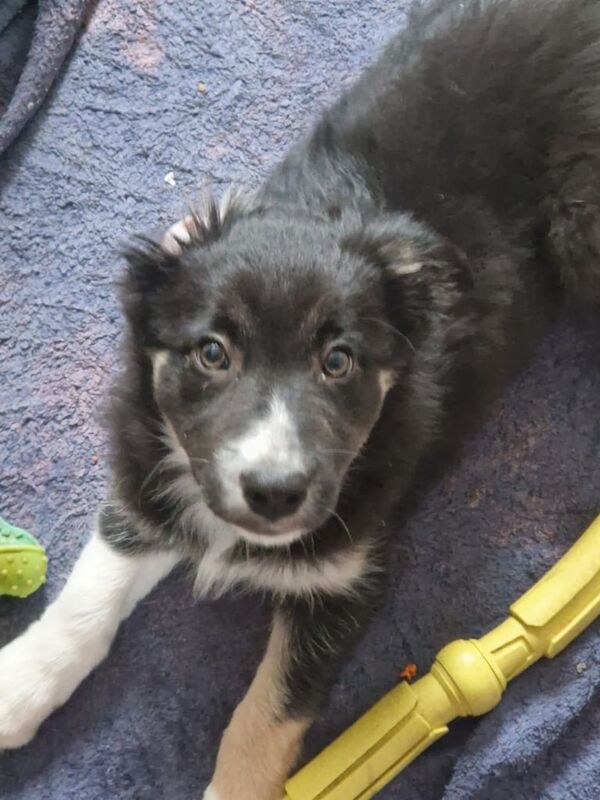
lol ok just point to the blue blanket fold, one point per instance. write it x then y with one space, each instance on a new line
35 39
129 109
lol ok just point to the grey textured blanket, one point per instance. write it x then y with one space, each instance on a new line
214 92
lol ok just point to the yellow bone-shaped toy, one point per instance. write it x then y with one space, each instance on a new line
467 678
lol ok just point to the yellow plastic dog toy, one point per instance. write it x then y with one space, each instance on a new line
467 678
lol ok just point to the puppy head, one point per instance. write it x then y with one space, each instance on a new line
273 338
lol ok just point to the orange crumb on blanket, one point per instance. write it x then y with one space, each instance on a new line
409 673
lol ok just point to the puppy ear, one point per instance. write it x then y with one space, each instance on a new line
149 265
207 219
151 269
398 245
426 276
154 267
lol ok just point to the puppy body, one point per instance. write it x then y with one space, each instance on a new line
362 305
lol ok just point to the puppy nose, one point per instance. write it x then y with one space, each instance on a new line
274 496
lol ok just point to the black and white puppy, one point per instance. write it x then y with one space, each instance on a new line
295 355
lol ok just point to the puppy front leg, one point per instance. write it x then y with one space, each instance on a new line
308 645
42 668
263 739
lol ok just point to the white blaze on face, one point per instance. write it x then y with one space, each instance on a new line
271 444
273 441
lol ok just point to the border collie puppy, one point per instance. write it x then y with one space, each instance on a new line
295 355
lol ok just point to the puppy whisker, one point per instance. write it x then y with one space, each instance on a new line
394 330
342 522
336 452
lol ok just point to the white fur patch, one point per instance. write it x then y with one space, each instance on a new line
386 380
339 574
178 236
273 541
271 443
159 359
273 440
42 668
405 269
210 794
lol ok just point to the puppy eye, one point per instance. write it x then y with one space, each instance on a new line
211 355
338 363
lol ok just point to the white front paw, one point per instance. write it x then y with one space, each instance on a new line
28 693
210 794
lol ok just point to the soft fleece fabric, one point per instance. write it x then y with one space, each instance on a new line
126 110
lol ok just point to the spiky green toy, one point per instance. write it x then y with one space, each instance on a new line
23 562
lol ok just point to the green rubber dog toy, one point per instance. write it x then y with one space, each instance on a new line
23 562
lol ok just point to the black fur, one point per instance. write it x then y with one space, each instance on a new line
320 636
471 150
